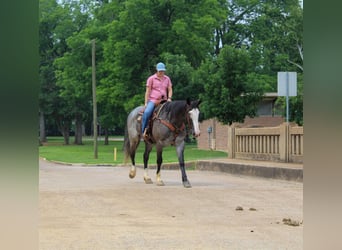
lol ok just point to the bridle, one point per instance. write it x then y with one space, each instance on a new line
188 119
176 130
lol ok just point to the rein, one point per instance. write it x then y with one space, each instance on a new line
171 126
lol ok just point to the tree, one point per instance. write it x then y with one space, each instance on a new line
182 77
74 67
172 34
228 95
53 32
272 31
74 79
196 39
188 27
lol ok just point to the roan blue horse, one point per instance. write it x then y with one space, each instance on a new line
168 128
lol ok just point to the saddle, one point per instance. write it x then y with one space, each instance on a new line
155 116
148 135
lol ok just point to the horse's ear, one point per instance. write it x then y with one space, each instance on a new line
188 101
196 103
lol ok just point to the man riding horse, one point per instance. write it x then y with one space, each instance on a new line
158 88
168 126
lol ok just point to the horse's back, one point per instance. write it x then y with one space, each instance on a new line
134 113
133 124
170 117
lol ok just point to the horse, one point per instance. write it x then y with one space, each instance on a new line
168 128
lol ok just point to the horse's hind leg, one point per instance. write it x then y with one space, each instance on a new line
132 172
133 148
159 162
148 149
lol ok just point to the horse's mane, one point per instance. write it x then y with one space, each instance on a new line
174 108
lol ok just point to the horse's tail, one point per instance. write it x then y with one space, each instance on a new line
126 145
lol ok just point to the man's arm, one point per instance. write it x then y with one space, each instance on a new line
147 94
169 93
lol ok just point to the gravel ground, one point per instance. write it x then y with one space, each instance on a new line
101 208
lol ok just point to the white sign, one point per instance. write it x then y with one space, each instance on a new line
287 83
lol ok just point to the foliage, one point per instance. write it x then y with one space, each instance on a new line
181 71
295 103
55 26
228 94
225 52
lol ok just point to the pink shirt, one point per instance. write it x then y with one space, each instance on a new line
158 87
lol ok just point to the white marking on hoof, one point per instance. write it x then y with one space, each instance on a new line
159 180
160 183
132 172
147 180
186 184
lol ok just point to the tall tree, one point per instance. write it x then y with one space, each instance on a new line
182 77
74 79
74 67
189 36
178 28
228 95
272 31
54 29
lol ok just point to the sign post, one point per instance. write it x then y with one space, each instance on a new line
287 86
94 97
209 130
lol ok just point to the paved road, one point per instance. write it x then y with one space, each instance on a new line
101 208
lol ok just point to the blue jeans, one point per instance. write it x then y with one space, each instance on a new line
147 114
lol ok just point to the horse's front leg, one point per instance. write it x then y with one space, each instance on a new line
159 149
148 148
180 154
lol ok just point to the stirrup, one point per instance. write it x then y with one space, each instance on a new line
144 134
146 137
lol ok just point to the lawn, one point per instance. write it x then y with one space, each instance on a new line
54 150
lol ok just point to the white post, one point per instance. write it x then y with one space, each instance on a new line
287 96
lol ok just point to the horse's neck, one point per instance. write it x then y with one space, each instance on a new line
177 114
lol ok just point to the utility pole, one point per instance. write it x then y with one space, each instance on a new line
94 98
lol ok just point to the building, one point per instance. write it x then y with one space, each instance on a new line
214 134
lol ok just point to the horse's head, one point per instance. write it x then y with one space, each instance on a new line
194 115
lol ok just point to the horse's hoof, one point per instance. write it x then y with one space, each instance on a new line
160 183
186 184
148 180
132 174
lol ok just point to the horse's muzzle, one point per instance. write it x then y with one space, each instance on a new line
196 134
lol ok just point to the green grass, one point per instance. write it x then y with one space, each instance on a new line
54 150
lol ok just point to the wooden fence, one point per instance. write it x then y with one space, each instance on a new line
283 143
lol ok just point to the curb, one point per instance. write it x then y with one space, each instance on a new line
249 169
236 168
83 164
283 173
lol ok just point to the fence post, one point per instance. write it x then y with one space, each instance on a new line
231 141
213 141
284 142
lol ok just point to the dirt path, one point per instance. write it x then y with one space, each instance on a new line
101 208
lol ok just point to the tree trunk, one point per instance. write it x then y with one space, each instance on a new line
78 130
64 128
66 134
106 140
42 133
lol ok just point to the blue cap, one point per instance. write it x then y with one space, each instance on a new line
161 67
